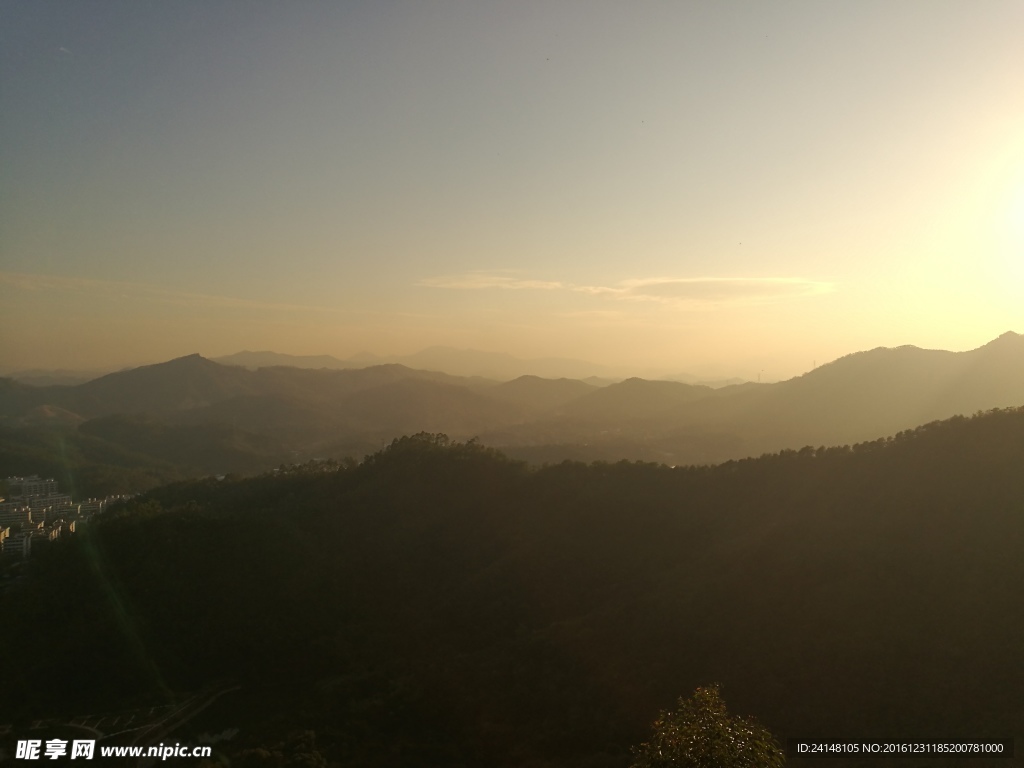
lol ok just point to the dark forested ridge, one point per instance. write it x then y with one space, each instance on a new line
191 416
441 604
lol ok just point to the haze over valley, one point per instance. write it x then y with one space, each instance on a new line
206 417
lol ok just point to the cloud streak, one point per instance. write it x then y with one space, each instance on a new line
719 290
671 291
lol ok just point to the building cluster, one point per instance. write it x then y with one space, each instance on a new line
34 510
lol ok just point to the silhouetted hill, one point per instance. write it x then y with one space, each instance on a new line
455 362
409 406
494 365
536 395
635 399
440 604
855 398
990 377
49 415
17 398
328 384
866 394
307 411
206 418
211 448
181 384
193 384
85 465
686 378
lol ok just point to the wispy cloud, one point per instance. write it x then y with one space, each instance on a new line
673 291
714 290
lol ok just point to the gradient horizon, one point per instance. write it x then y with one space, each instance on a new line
713 188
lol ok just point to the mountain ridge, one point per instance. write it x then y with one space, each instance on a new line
451 360
304 411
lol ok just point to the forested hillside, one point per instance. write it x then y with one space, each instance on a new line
439 603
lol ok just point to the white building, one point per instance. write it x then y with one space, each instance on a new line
17 546
15 514
33 485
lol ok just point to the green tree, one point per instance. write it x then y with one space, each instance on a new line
700 733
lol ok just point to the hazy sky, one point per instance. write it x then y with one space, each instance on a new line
709 187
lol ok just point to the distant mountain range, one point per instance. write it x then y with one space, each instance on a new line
457 362
294 412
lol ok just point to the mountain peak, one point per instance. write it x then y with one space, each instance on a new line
1008 343
195 361
1005 338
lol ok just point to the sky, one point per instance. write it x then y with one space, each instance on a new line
719 188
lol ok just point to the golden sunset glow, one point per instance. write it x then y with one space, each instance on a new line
719 188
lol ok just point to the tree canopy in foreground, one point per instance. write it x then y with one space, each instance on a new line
700 733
